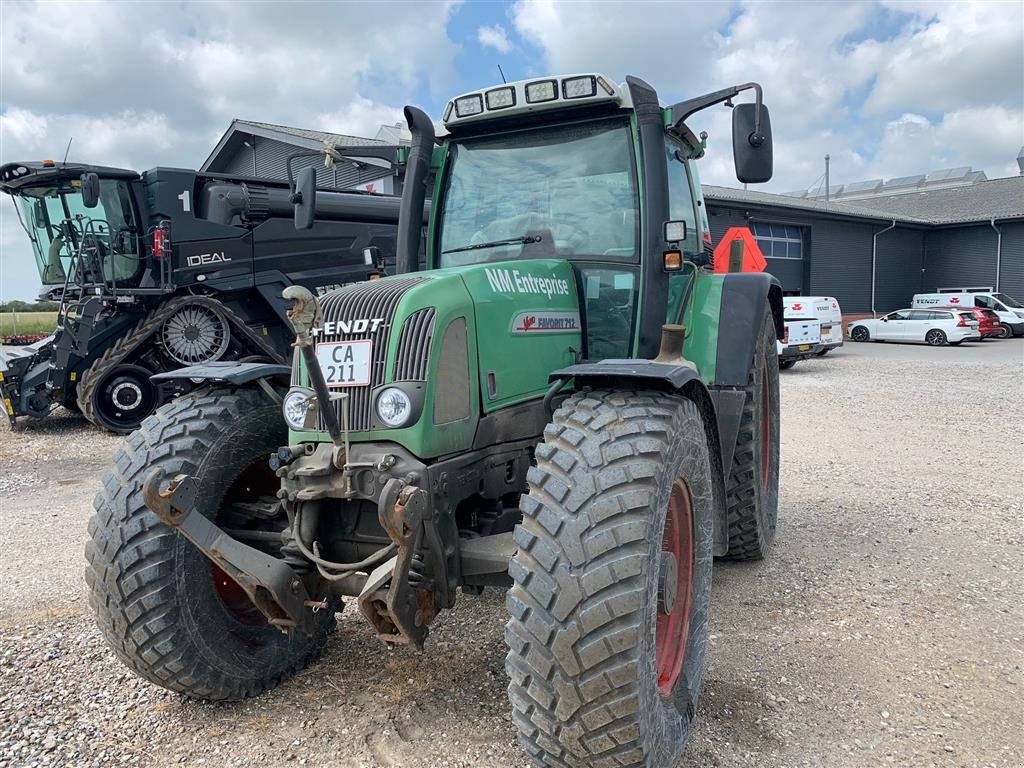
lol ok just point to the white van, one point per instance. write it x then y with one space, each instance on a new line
826 310
1010 311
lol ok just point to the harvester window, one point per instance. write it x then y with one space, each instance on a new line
57 221
562 191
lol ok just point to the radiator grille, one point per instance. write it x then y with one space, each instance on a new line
414 346
364 301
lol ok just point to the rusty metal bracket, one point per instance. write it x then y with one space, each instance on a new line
399 609
274 588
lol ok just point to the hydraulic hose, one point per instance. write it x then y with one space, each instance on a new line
344 569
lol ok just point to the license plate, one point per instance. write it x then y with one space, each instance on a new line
804 347
345 363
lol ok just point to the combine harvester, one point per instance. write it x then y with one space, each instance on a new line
171 268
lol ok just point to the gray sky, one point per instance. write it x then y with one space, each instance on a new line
887 89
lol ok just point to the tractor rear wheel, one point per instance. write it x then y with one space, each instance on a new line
170 614
752 487
612 582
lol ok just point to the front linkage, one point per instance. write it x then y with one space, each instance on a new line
412 578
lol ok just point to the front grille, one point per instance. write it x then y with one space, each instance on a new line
414 346
364 301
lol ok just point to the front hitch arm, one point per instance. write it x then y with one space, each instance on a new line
274 588
403 611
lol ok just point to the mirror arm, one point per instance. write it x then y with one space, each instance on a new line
683 110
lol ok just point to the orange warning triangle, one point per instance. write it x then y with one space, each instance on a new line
753 259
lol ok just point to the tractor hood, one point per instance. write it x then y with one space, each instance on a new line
464 344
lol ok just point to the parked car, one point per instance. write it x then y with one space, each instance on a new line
936 327
826 310
1009 310
988 322
801 340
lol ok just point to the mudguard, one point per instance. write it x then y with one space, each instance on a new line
744 297
226 372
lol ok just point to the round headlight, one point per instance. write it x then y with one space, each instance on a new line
296 404
394 407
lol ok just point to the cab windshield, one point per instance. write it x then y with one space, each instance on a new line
58 224
557 192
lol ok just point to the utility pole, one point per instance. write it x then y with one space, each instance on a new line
826 178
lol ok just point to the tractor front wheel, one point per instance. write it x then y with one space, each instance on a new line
611 582
168 612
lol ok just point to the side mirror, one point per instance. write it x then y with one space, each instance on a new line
304 198
752 143
90 190
885 319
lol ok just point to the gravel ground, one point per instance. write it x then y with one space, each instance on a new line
885 629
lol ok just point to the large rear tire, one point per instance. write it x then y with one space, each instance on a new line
612 580
752 488
168 613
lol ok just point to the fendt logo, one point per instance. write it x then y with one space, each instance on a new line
202 259
339 327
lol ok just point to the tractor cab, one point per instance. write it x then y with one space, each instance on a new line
83 224
594 172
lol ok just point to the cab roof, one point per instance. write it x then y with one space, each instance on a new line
38 173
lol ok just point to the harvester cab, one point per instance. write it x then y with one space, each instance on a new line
565 402
82 222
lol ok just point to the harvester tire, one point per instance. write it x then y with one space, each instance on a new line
611 583
752 487
167 612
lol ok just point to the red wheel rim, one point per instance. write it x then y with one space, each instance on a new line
766 427
234 599
672 633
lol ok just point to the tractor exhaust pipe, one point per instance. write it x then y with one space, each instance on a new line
414 190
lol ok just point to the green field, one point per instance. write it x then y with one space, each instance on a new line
12 323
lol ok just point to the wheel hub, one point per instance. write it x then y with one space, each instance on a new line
675 589
126 395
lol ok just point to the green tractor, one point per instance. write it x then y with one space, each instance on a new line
567 402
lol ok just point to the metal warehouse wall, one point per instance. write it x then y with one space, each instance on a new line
789 272
272 155
841 263
965 256
1011 279
898 268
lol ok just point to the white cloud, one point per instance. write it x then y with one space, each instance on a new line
958 55
494 37
838 77
653 40
360 117
144 84
22 126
